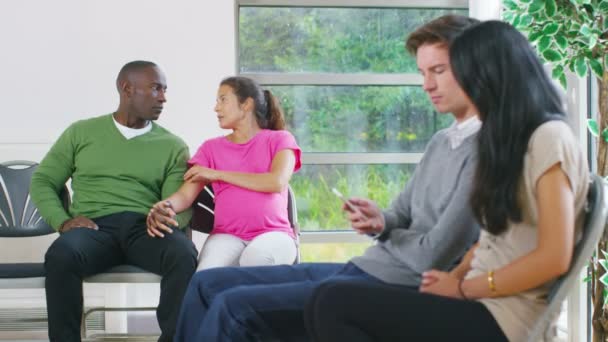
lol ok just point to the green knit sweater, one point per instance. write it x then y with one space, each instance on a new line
109 173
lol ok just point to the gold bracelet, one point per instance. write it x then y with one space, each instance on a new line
491 284
460 289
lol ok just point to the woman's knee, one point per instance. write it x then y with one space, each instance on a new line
328 294
269 249
257 257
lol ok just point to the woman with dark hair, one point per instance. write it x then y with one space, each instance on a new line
529 193
249 170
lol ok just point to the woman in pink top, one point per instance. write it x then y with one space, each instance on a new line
249 170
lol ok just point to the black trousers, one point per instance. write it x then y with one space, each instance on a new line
121 239
363 311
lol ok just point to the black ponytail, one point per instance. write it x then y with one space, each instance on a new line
267 110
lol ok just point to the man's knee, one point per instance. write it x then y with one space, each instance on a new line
215 280
236 302
181 253
61 255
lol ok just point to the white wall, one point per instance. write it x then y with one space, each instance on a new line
60 58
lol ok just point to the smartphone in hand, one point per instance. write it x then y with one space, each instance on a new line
349 205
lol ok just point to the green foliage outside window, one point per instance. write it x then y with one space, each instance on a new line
364 118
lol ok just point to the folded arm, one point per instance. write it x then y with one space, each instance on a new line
275 180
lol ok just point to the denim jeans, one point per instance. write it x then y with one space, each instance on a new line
251 303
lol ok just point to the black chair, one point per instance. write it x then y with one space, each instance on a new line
203 215
593 230
19 218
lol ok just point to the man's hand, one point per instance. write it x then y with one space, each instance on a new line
440 283
77 222
369 218
160 216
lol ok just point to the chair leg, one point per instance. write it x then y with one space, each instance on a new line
83 326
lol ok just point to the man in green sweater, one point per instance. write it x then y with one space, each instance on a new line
120 165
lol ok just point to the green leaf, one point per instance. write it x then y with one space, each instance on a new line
550 29
557 71
525 1
511 5
593 128
562 41
550 8
606 60
544 43
551 55
592 42
603 6
585 30
571 65
605 138
516 20
507 16
603 263
536 6
604 279
597 68
580 66
563 81
525 21
533 36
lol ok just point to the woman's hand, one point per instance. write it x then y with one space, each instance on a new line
160 216
440 283
201 174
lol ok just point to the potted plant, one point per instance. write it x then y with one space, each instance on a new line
573 35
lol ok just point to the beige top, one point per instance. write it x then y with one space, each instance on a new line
551 142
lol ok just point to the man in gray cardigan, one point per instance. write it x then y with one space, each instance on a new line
428 226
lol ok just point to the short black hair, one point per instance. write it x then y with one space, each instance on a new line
131 67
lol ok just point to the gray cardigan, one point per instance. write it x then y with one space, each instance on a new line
430 224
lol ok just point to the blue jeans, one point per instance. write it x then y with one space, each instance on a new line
249 303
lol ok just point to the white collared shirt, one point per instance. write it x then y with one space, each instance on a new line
459 131
130 133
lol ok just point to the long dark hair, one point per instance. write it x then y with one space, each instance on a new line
267 110
501 74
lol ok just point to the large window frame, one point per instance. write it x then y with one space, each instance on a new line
343 79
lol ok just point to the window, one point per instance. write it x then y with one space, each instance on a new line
351 94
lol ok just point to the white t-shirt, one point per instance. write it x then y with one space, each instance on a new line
551 142
130 133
